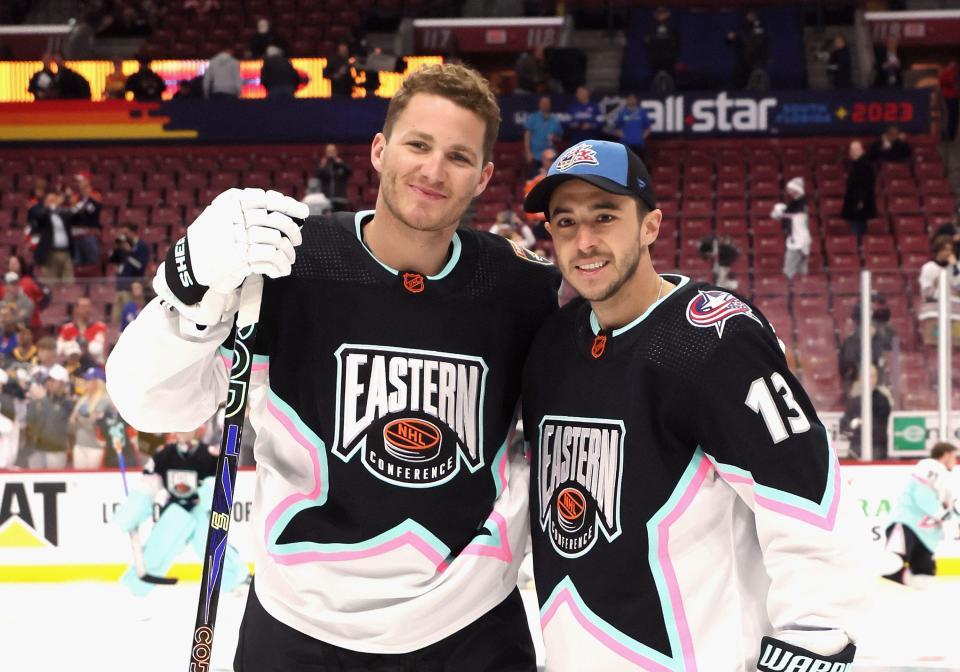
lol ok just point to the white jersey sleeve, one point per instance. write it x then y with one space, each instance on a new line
164 374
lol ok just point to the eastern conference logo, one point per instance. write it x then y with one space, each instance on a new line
580 471
413 415
17 515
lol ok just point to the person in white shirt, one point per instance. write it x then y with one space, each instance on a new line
796 226
942 256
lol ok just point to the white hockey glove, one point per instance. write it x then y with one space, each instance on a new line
243 231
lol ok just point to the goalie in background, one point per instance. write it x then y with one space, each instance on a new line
917 523
181 473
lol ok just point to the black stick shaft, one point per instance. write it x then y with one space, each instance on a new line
220 514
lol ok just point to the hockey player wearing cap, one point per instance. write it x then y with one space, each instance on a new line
390 518
685 500
792 215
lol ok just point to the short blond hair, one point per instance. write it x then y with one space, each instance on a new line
460 85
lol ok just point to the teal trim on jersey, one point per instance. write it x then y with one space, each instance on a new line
821 508
407 527
454 255
257 359
653 554
498 482
566 585
595 324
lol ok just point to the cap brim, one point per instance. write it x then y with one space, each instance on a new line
538 200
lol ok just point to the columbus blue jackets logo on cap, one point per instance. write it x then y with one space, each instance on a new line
582 153
580 469
712 308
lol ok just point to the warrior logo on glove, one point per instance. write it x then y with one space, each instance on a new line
413 415
579 481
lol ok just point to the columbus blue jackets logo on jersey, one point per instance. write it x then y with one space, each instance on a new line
581 467
413 415
582 153
712 308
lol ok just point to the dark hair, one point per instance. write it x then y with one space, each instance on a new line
940 242
460 85
941 449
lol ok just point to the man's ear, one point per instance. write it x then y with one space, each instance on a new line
376 151
650 227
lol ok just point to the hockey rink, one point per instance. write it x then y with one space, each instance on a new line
83 626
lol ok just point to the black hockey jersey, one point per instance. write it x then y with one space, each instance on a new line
182 472
684 495
388 512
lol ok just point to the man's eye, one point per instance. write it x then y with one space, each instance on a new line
460 158
416 144
605 218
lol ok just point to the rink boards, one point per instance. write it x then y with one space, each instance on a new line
56 526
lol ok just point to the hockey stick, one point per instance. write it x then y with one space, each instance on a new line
245 332
135 544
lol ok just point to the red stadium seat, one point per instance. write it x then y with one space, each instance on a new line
936 205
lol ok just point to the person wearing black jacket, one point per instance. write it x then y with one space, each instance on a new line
43 83
752 48
52 238
278 75
333 174
338 71
145 84
663 45
70 83
892 145
838 64
859 200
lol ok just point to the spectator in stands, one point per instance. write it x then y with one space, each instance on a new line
88 410
85 330
145 84
123 19
536 220
222 78
889 69
8 332
25 351
542 130
131 256
46 358
339 73
11 397
632 125
46 428
952 229
722 252
202 7
663 49
752 51
942 255
838 64
51 237
115 85
266 37
850 423
132 308
13 296
891 146
334 174
43 83
39 294
950 92
883 340
190 88
510 226
315 199
859 199
278 75
792 215
71 85
531 71
585 118
85 226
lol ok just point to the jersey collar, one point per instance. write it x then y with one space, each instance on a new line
364 215
679 280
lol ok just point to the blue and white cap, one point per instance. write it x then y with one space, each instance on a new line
610 166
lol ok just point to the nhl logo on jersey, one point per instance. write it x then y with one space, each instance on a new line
413 415
413 282
582 153
580 471
712 308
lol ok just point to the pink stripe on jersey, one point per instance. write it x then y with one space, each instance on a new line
604 638
669 573
501 552
406 539
824 522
